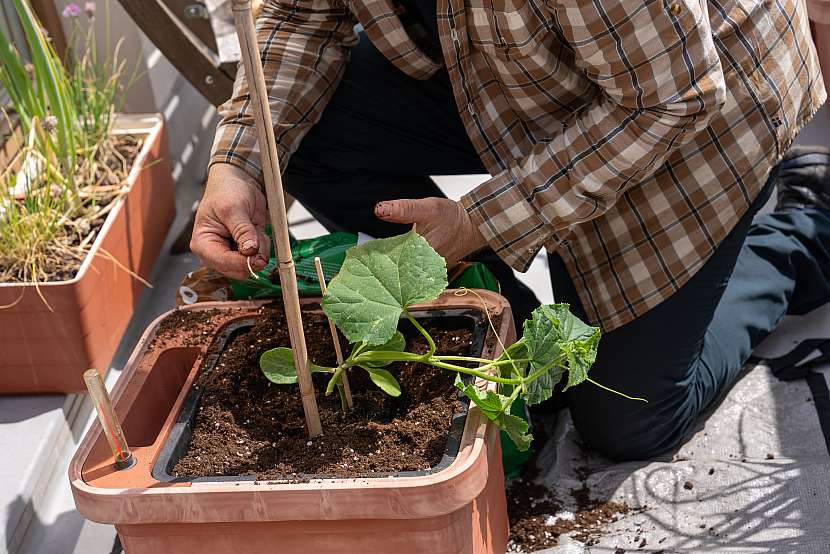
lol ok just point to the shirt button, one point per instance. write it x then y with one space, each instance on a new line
675 9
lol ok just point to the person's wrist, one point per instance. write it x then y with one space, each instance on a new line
474 239
222 172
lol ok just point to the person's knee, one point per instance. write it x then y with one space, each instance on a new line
626 435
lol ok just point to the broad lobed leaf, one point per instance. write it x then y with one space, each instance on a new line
556 341
378 280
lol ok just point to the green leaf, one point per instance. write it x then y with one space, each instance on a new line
384 380
396 344
517 429
378 280
516 351
496 407
557 341
278 366
490 402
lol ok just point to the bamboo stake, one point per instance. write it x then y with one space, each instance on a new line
344 379
244 23
121 454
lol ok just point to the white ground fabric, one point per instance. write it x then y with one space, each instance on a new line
758 466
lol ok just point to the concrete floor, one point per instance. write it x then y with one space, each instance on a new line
778 513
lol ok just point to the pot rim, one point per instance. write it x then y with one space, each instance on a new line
455 486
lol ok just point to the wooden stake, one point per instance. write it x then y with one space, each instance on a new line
276 205
344 379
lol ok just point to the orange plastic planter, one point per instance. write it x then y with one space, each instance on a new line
461 508
47 351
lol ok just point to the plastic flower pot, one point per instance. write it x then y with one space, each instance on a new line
458 506
46 348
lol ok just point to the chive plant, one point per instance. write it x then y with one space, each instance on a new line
56 190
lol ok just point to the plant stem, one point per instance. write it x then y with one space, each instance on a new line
473 372
544 369
478 360
603 387
423 331
335 379
344 404
384 356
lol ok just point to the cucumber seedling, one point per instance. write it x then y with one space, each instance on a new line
381 279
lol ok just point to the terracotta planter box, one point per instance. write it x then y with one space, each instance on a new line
459 508
43 351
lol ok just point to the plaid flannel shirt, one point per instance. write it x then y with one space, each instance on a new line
627 135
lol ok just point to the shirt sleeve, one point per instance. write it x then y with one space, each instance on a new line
304 46
660 81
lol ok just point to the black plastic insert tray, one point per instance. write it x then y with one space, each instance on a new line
178 441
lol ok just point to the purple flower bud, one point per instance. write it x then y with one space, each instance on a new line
89 8
72 10
50 123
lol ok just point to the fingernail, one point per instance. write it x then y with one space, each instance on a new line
248 245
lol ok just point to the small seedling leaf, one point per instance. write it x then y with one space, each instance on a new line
553 332
384 380
378 280
278 366
497 409
490 402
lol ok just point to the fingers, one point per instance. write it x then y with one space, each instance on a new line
212 246
264 248
215 252
242 229
404 211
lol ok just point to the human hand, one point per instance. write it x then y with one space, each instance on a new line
232 214
444 223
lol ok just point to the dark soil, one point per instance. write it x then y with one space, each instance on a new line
537 517
533 511
195 322
247 425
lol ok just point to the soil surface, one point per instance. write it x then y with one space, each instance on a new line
538 518
247 425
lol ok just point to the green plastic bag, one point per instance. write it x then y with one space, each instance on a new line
330 248
332 251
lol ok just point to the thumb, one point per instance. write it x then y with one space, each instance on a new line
401 211
243 232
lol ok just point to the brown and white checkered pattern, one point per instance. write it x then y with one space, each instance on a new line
629 136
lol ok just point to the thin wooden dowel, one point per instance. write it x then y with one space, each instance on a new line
344 379
244 22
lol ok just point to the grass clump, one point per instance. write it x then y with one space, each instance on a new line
68 168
